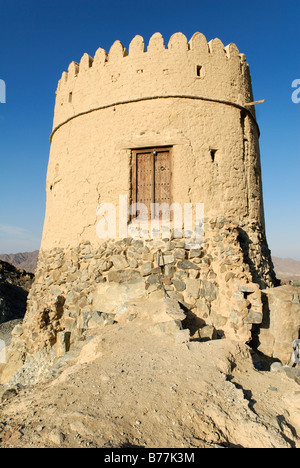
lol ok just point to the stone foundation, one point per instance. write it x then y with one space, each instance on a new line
214 286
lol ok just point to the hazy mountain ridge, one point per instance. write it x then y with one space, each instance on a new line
287 268
24 261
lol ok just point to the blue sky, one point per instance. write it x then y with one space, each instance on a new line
38 40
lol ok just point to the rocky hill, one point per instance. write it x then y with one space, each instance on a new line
287 268
134 380
14 288
132 385
26 260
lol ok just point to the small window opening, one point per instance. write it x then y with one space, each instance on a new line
200 71
70 97
213 153
51 188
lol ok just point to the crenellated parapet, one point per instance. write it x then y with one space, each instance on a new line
195 69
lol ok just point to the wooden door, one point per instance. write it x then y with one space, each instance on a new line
151 179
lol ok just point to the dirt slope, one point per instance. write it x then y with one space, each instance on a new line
133 385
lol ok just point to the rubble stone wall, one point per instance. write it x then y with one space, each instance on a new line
280 327
213 285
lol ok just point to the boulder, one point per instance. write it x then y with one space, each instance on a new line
281 323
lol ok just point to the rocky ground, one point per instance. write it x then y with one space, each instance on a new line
129 384
6 329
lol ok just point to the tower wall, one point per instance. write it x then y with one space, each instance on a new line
189 96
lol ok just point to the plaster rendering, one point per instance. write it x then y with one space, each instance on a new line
190 97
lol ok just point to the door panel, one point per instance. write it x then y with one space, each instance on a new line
145 188
162 180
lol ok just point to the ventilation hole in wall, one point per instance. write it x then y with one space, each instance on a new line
213 153
200 71
70 97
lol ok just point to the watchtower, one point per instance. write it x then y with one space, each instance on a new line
166 125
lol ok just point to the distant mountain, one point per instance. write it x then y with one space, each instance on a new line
287 268
24 261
